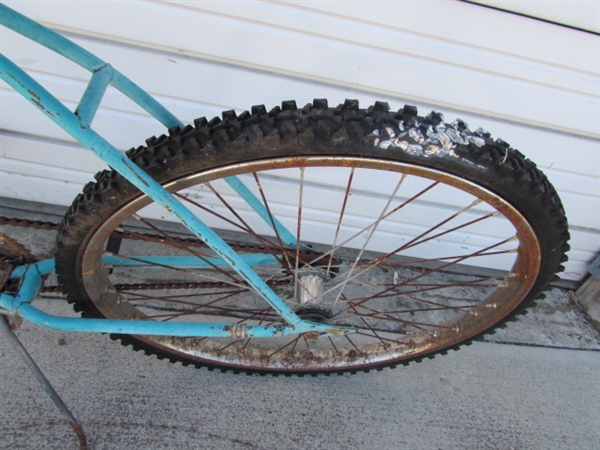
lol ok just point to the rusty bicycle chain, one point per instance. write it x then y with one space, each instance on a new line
133 235
28 223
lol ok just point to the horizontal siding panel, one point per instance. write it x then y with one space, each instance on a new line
204 30
206 94
354 30
47 190
469 26
70 157
61 192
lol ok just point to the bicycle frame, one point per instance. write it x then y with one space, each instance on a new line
78 125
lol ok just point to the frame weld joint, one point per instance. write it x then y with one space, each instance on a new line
90 101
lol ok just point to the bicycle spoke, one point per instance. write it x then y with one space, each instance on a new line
270 246
458 259
186 249
299 229
293 343
414 242
271 219
341 217
379 220
472 283
371 232
197 274
388 316
380 294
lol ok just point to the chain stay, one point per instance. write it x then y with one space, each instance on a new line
154 238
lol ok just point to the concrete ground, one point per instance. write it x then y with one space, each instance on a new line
533 385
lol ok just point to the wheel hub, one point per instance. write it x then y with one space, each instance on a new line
310 288
313 313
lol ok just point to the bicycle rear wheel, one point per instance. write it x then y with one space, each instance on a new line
385 221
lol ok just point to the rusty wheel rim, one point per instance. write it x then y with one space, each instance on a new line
399 304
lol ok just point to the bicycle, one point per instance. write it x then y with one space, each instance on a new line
289 259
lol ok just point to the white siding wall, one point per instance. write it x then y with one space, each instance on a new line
534 84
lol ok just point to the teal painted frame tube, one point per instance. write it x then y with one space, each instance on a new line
31 283
64 47
78 126
103 75
58 113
